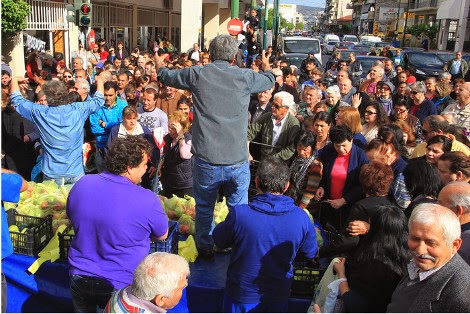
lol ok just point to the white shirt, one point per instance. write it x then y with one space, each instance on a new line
277 128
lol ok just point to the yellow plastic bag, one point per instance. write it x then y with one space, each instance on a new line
49 253
187 249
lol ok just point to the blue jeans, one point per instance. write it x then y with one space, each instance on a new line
207 178
63 180
89 294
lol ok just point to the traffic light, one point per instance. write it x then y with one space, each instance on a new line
84 14
72 18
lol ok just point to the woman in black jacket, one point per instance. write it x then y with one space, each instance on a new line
176 170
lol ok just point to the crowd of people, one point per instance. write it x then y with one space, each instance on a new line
383 163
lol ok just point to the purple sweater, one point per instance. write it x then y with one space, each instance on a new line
113 220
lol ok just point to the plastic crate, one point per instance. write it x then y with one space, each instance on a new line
37 236
170 245
305 282
65 239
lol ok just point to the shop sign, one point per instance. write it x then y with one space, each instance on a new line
31 42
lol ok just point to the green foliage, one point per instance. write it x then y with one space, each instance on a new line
14 13
283 21
290 26
418 30
300 26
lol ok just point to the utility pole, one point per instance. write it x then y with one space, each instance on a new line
265 28
235 8
276 21
406 23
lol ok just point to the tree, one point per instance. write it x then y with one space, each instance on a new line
300 26
283 21
418 30
14 13
290 26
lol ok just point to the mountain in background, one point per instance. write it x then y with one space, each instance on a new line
307 3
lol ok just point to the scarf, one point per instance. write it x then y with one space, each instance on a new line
387 104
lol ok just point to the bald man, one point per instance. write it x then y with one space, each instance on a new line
456 197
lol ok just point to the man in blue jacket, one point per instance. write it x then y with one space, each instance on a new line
265 236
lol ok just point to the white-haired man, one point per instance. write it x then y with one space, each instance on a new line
157 286
456 197
278 128
438 278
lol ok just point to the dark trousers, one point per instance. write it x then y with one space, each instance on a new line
90 294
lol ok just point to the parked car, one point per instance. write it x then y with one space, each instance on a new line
367 62
424 63
300 45
445 55
351 38
297 58
361 49
345 45
344 54
329 46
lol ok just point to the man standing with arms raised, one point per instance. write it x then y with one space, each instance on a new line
221 94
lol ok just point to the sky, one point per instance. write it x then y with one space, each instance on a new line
310 3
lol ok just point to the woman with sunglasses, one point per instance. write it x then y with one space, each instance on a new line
421 107
383 94
374 116
67 76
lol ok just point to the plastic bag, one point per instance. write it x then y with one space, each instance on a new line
187 249
174 207
187 225
190 206
220 211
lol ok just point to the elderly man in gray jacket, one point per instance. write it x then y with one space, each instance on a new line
221 94
438 278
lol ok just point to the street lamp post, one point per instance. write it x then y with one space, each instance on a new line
406 23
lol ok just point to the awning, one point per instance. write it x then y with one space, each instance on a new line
449 10
365 8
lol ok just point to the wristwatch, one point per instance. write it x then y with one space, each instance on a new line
180 138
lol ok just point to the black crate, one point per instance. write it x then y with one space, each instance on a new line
305 282
37 236
170 245
65 239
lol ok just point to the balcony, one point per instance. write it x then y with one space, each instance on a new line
424 5
46 15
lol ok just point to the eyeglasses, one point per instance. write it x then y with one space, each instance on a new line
384 88
414 92
68 76
277 106
369 112
401 111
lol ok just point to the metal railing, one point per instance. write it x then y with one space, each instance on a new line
46 15
420 4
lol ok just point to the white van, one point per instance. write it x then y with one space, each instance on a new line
370 39
351 38
331 37
300 45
